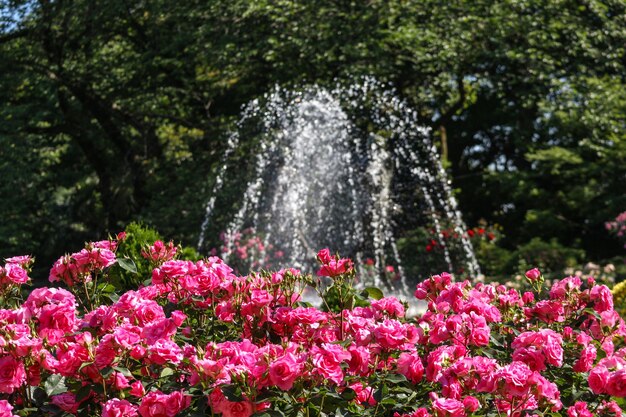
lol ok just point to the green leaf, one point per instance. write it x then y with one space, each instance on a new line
31 411
83 393
124 371
348 394
200 408
106 287
381 393
166 372
38 396
106 372
496 342
55 384
396 378
374 293
113 297
232 393
127 265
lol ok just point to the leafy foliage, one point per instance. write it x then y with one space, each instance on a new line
116 111
198 339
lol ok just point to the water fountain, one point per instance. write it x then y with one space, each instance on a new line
349 168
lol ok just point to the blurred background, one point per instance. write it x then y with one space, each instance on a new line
120 111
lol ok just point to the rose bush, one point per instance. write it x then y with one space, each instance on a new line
197 339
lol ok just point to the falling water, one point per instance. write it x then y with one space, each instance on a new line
348 168
233 141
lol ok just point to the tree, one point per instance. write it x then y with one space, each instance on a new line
122 106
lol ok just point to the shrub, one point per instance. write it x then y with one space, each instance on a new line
197 339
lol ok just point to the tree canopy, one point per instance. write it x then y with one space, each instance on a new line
118 111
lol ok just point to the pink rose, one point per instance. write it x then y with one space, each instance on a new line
421 291
335 352
225 311
105 244
359 362
547 392
127 336
118 408
159 329
66 402
106 351
284 371
477 329
442 357
567 332
78 266
71 356
390 334
528 297
579 409
154 405
548 311
160 252
533 274
23 260
138 352
165 350
610 409
448 407
15 273
323 256
565 288
327 361
12 374
178 317
515 378
531 357
410 365
5 409
120 381
598 378
420 412
390 306
602 297
616 385
536 348
336 267
471 404
216 400
147 312
40 297
57 320
93 259
364 395
236 409
260 298
157 404
609 322
586 359
608 347
137 389
328 368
